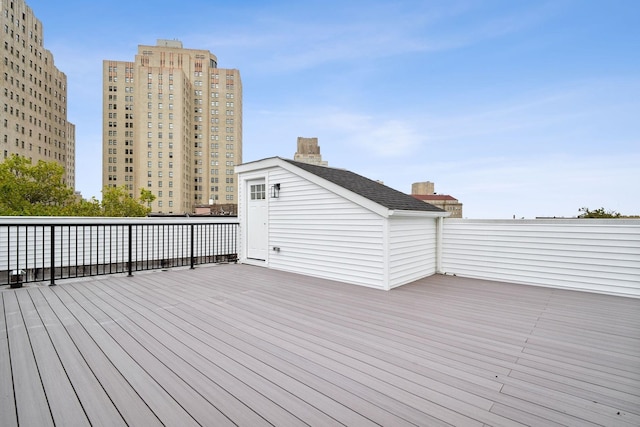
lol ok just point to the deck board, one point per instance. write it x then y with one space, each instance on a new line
144 350
136 366
31 403
209 359
95 402
62 397
7 397
130 406
220 331
242 345
319 354
221 322
182 344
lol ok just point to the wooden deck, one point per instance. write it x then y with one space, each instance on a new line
241 345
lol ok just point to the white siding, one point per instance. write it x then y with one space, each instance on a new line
324 235
594 255
412 249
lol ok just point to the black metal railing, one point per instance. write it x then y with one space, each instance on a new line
52 251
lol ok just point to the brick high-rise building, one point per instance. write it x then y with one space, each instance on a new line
34 93
172 124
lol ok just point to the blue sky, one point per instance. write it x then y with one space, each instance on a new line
525 108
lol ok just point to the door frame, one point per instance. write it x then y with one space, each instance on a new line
257 220
245 181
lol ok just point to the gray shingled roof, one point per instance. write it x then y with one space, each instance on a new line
365 187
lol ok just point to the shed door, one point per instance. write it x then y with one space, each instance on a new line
257 232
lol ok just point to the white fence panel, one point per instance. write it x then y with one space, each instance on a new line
586 254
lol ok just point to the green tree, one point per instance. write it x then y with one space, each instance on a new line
116 201
597 213
146 196
91 207
40 190
27 189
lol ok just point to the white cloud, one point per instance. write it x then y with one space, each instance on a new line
374 136
341 133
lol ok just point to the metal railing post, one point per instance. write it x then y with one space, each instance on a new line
129 260
53 256
192 245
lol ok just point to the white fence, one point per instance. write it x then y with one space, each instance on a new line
596 255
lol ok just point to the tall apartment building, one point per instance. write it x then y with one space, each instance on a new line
172 124
34 93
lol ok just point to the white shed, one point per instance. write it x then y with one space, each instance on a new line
334 224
